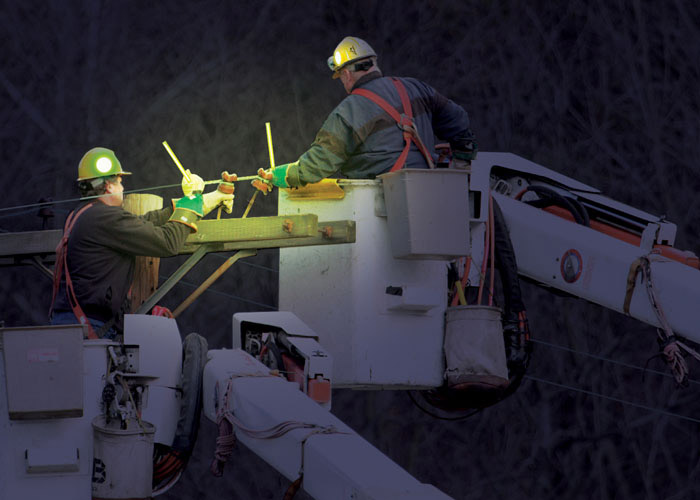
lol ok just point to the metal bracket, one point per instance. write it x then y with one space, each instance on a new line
174 278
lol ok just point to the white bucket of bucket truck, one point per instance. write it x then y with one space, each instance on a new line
427 213
123 460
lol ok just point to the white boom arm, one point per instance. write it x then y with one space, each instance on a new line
591 262
545 244
335 461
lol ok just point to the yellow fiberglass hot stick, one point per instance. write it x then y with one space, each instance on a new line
177 162
269 144
272 165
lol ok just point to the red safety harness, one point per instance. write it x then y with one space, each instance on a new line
404 121
62 266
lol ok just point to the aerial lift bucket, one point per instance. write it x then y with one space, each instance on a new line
123 460
428 213
474 349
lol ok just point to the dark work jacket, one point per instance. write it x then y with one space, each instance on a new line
361 140
101 255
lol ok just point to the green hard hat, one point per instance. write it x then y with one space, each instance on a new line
99 162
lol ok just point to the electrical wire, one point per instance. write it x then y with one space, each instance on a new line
72 200
257 266
141 190
612 398
575 389
162 489
216 292
464 281
561 386
613 361
23 212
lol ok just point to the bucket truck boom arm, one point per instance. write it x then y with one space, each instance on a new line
568 236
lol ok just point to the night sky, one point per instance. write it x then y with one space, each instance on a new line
605 92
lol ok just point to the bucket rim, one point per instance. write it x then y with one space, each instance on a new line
98 424
474 307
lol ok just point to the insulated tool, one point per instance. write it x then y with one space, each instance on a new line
191 183
269 144
238 179
177 162
261 180
263 183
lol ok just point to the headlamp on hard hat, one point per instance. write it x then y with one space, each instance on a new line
98 163
350 49
103 164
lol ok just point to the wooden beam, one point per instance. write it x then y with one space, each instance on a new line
328 233
220 235
254 229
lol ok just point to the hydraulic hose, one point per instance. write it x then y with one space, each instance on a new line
577 210
507 267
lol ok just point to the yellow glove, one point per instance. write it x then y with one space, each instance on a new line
216 198
194 185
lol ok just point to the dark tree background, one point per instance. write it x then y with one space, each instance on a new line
606 92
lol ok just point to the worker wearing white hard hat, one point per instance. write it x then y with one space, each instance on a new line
383 124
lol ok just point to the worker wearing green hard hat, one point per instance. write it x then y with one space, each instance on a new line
98 163
95 259
384 124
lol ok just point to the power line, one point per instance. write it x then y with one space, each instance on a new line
33 211
611 398
73 200
613 361
257 266
216 292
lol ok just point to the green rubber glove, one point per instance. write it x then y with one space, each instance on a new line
465 151
276 176
193 203
279 176
188 210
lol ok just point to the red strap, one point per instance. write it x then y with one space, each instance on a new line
405 101
380 102
405 122
62 266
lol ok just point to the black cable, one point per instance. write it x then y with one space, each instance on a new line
507 266
449 419
72 200
578 211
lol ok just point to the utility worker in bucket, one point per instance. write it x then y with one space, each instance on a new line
384 124
96 256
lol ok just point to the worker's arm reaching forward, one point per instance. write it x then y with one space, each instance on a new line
96 257
360 139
